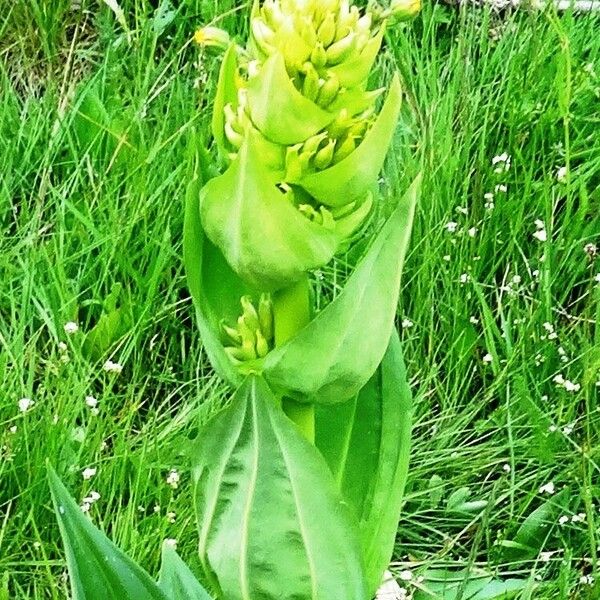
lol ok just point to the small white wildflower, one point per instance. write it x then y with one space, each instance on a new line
591 250
446 257
473 320
544 398
545 556
567 430
586 580
85 507
88 473
156 509
171 517
563 520
173 479
92 497
540 235
451 226
71 327
25 404
561 174
578 518
91 401
407 323
488 196
112 367
571 387
535 273
489 205
539 224
171 542
62 347
501 162
506 468
472 231
501 188
405 575
465 278
504 157
558 379
597 278
488 358
516 280
463 210
547 488
13 429
552 428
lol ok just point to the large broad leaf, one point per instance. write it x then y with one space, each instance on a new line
97 568
332 358
263 236
272 523
279 110
227 93
216 290
366 443
176 579
352 177
356 70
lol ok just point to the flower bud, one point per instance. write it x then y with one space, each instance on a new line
271 12
327 29
328 92
250 315
231 333
262 347
344 149
293 166
312 143
212 37
404 10
340 126
235 139
263 35
340 51
318 56
310 86
324 156
265 316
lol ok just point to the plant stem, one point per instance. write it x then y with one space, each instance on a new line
291 312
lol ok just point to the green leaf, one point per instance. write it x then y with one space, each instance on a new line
356 70
366 443
281 113
333 357
464 584
531 536
227 93
106 332
263 236
216 290
352 177
176 579
98 570
272 523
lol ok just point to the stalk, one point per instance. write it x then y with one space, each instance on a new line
292 312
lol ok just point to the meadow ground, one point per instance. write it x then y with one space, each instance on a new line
499 309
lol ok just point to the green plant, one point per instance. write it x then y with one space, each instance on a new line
298 481
99 570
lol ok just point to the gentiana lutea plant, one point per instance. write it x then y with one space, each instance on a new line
298 481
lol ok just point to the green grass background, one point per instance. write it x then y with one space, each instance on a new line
95 121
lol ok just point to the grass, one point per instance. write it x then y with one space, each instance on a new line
95 121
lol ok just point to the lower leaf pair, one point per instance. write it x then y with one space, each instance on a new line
280 518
